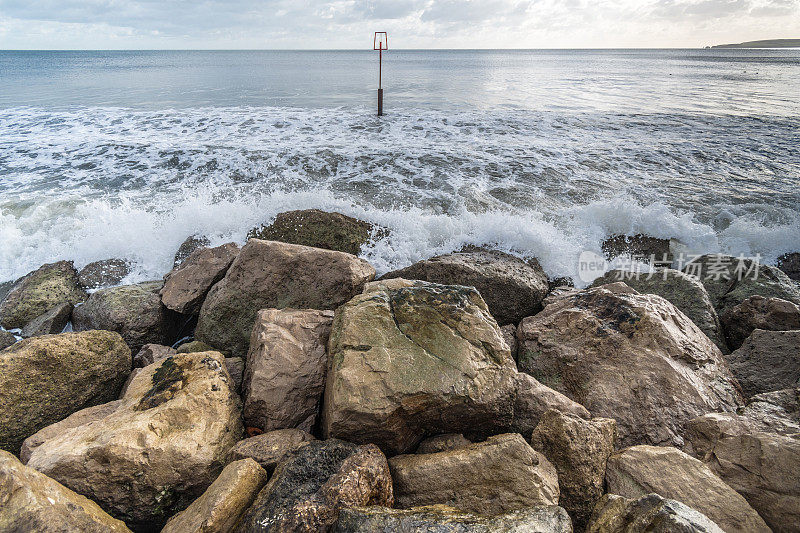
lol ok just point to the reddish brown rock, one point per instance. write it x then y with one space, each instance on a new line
269 449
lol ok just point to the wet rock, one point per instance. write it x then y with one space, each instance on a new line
730 280
33 502
269 274
105 273
442 443
758 312
762 466
159 449
150 353
578 449
509 332
790 264
683 291
559 292
767 361
45 379
269 449
444 519
387 343
76 419
628 356
40 291
511 288
637 245
235 366
640 470
651 513
223 503
312 227
133 311
285 371
315 482
186 285
49 323
188 246
6 339
498 475
196 346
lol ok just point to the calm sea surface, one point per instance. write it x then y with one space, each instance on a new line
541 153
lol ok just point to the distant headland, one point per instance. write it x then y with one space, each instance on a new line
769 43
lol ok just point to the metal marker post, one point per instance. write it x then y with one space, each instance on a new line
380 43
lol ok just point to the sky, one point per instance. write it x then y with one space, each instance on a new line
312 24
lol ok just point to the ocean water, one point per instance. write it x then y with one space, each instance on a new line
539 153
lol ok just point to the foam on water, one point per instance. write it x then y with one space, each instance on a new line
92 183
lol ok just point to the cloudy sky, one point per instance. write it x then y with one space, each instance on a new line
80 24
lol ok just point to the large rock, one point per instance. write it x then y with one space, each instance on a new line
133 311
312 227
651 513
32 502
105 273
285 370
670 473
45 379
159 449
512 288
767 361
6 339
639 245
628 356
444 519
443 443
758 312
269 274
192 243
762 466
40 291
269 449
790 264
409 358
775 412
683 291
730 280
498 475
50 322
309 488
223 503
578 449
186 285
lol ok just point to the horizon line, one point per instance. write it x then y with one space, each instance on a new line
369 49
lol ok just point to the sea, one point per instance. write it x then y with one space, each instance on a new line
540 153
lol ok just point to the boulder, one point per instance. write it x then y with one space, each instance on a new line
760 465
33 502
651 513
105 273
186 285
628 356
670 473
192 243
309 487
319 229
758 312
443 443
532 400
444 519
276 275
196 346
684 291
45 379
6 339
512 288
498 475
790 264
637 245
50 322
767 361
133 311
578 449
414 358
150 353
159 449
40 291
285 371
223 503
775 412
269 449
730 280
556 293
